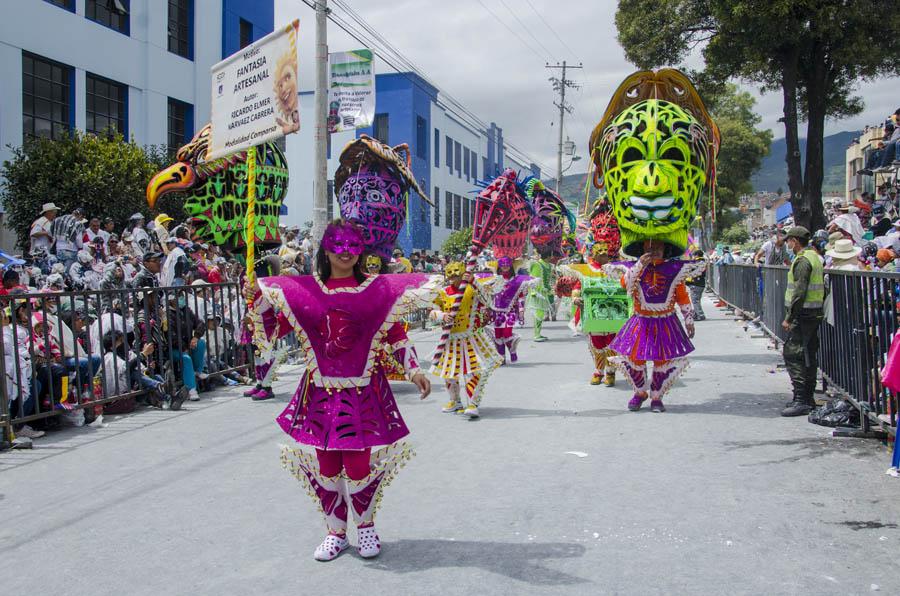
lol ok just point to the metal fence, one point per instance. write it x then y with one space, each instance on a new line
71 351
861 318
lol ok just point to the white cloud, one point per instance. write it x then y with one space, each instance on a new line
465 50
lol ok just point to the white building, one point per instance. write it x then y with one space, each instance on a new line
449 153
140 66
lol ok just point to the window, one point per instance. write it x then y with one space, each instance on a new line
246 33
467 156
448 208
380 128
457 158
437 206
67 4
484 168
474 166
107 103
180 25
449 152
110 13
181 123
437 149
457 212
47 101
421 138
423 211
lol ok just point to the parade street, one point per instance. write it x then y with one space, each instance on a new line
556 489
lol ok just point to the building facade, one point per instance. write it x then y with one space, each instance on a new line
138 66
869 140
448 155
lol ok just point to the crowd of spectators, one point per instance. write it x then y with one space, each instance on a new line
860 235
154 313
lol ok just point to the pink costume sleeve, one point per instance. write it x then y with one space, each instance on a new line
402 349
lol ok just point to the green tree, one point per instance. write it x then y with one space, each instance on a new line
743 148
457 244
736 234
814 51
103 174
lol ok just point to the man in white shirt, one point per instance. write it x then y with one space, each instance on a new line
93 231
773 251
41 238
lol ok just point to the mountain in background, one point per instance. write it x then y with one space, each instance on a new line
772 175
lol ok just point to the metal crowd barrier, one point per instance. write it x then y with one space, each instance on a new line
861 320
63 365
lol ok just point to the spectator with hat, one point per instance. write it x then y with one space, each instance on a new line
804 300
844 255
41 236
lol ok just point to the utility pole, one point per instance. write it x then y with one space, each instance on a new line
560 86
320 167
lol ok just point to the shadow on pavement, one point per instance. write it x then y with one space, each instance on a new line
524 562
805 449
491 412
767 358
753 405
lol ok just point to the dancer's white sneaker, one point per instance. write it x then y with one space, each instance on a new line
331 547
369 544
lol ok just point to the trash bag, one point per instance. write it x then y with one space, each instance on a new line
72 418
835 413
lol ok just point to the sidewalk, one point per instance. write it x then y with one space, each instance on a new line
557 489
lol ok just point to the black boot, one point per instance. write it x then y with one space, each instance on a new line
796 408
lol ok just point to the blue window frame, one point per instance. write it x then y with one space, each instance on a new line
474 166
457 158
181 28
48 97
110 13
467 157
449 152
437 148
67 4
106 106
437 206
181 123
421 138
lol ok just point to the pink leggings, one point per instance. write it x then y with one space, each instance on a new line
355 462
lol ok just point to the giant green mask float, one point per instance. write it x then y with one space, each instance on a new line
654 151
217 191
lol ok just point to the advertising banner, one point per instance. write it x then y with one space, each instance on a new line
351 90
255 94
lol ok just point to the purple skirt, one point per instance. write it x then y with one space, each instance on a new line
344 418
652 338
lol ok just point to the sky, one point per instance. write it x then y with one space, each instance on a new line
491 55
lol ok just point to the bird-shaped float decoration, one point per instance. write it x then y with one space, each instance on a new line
217 191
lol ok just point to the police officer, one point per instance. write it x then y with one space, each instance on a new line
804 300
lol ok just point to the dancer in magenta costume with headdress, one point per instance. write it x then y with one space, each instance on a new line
654 333
509 307
344 407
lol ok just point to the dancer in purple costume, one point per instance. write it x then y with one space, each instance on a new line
654 333
509 307
344 407
266 359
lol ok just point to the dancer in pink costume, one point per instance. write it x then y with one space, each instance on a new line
509 307
344 408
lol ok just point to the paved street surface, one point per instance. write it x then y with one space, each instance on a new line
557 489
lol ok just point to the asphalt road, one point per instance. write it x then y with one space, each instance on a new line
557 489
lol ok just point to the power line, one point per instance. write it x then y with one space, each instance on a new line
508 28
390 55
527 30
552 30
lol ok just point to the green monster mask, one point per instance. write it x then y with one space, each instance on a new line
655 157
216 191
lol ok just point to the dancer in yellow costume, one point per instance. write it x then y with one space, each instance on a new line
470 356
